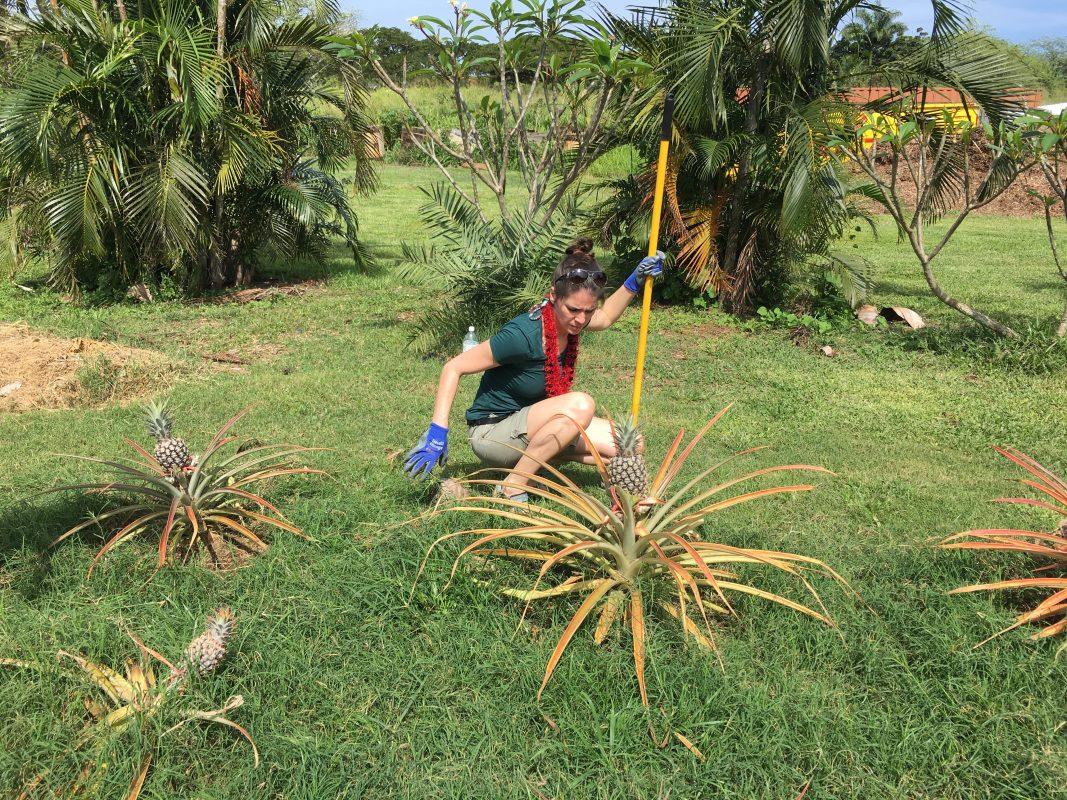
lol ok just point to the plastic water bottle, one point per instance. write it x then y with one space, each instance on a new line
470 340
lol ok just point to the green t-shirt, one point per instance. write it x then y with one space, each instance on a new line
519 381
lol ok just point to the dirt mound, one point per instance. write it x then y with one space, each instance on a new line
38 370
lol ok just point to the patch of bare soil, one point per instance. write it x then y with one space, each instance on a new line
38 370
1014 202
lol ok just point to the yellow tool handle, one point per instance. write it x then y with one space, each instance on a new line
653 247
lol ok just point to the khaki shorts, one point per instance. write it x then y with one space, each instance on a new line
501 444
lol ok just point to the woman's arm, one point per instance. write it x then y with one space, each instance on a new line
477 359
432 448
607 315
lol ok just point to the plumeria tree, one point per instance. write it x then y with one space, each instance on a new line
934 155
897 139
558 95
558 87
1046 137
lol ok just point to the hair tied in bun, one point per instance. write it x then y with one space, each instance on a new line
583 246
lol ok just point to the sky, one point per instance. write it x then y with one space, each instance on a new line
1015 20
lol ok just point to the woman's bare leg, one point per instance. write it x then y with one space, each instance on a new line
599 432
552 425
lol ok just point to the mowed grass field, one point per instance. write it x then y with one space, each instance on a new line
356 686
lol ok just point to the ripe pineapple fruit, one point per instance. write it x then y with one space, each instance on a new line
171 453
208 649
627 469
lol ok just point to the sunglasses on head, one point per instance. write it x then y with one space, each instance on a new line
581 275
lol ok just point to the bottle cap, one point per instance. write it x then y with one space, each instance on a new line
470 329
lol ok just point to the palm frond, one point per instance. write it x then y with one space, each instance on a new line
854 276
799 32
487 272
696 47
168 200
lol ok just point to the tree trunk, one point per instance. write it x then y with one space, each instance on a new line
982 319
1061 329
218 267
737 196
219 271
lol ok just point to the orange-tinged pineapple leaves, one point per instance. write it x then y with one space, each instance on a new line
608 615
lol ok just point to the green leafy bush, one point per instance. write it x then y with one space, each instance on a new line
777 318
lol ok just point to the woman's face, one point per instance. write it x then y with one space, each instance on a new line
574 311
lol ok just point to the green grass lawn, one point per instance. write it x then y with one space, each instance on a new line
352 690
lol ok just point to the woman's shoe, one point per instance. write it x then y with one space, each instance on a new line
521 497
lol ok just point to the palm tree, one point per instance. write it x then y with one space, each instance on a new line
752 192
182 136
755 191
872 37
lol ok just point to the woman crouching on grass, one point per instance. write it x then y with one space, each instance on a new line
528 368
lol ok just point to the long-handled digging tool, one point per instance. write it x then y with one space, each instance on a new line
653 246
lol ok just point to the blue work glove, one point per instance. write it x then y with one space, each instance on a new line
649 266
431 450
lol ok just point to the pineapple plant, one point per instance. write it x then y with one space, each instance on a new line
1047 547
612 557
627 470
171 452
131 702
206 504
207 650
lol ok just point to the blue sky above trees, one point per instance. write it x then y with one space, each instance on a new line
1017 21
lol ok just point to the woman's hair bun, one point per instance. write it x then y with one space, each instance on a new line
581 246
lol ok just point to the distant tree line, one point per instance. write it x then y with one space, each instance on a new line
875 37
1048 60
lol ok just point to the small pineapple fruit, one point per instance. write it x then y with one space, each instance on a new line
627 469
171 453
208 649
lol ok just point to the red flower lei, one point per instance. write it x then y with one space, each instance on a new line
557 381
